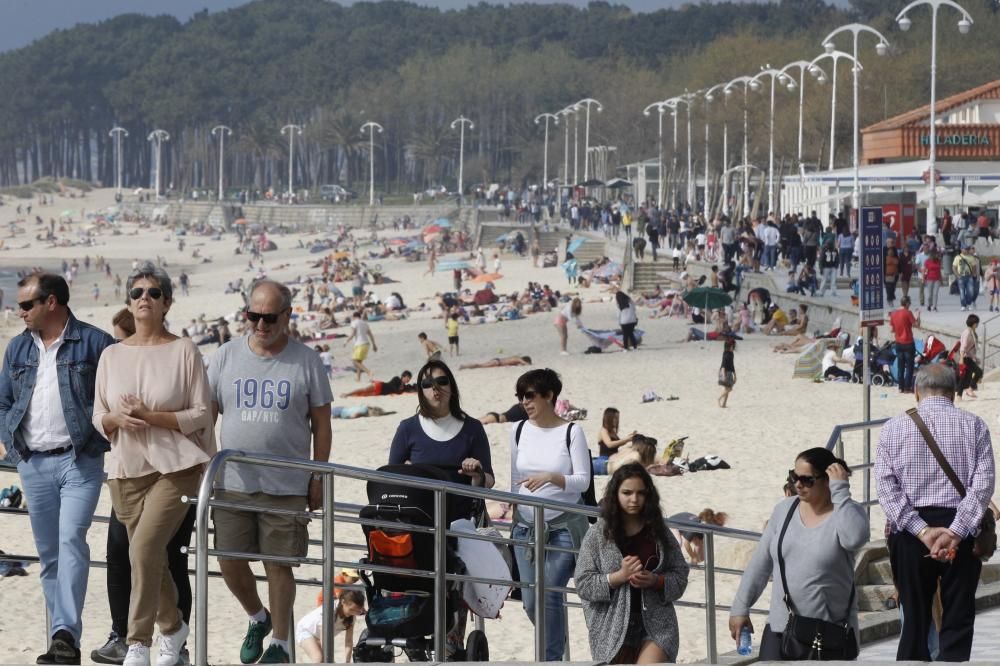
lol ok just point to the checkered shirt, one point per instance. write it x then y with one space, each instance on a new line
908 476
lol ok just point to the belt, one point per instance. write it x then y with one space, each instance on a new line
54 452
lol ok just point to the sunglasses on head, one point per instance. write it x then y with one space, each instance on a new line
154 293
806 481
429 382
527 395
255 317
27 305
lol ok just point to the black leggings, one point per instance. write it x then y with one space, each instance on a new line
628 336
120 571
834 371
973 373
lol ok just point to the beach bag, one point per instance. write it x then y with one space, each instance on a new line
809 638
589 496
986 541
483 560
393 614
727 378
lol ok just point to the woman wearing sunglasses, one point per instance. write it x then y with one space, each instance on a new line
629 573
154 405
823 528
549 459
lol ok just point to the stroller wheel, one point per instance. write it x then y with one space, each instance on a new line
877 379
476 647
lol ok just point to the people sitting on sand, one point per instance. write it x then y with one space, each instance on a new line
641 449
694 542
504 362
777 323
395 386
831 357
513 415
608 440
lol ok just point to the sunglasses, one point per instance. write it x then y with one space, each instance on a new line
806 481
255 317
527 395
27 305
429 382
154 293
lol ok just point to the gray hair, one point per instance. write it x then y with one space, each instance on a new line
147 269
283 291
936 379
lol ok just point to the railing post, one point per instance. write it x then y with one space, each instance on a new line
440 562
713 648
868 471
840 445
539 591
201 558
291 634
986 338
328 570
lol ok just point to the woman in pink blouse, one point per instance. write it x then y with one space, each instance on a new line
154 405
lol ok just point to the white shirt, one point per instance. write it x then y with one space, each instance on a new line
311 624
362 333
443 429
544 450
45 422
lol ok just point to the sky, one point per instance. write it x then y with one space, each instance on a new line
26 20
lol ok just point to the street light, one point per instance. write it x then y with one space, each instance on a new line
661 109
728 90
565 113
686 99
881 49
773 74
460 122
117 133
587 102
821 77
223 131
672 105
292 131
158 136
709 96
371 127
545 152
964 25
789 83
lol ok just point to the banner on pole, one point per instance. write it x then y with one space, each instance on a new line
872 287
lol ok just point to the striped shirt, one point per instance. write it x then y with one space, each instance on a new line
908 476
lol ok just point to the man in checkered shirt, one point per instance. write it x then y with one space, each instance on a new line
927 517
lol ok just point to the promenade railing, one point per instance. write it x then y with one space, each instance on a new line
836 444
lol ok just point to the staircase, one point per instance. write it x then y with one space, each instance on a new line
646 274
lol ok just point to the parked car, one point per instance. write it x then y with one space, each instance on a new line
336 193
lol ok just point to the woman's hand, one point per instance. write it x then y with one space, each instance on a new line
471 467
630 566
133 406
836 472
536 481
736 624
121 419
643 579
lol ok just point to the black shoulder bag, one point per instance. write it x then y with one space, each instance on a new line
986 541
808 638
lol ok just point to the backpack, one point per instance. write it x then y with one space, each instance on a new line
589 496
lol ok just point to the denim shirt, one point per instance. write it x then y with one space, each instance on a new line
76 367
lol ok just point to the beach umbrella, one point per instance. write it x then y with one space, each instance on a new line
809 364
575 245
432 228
618 183
487 277
707 298
398 241
593 182
431 237
452 265
443 222
337 256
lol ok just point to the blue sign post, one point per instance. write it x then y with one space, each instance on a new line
872 286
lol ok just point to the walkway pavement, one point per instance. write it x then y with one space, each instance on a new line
985 644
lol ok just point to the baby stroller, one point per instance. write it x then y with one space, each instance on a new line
880 364
401 607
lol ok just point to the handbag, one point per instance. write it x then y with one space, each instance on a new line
986 541
809 638
727 378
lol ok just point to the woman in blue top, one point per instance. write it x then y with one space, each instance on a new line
440 433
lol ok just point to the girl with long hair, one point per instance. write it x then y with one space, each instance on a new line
727 371
627 319
608 441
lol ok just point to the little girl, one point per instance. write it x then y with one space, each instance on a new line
309 630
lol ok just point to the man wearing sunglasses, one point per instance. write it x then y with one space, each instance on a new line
46 403
274 397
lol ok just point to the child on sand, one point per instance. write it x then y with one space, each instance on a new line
309 630
452 326
431 348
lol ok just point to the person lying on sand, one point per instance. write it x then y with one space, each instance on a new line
356 411
505 362
394 386
513 415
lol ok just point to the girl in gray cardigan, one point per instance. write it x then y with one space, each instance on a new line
629 571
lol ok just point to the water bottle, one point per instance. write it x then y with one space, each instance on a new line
746 642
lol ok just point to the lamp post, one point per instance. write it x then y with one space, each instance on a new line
964 25
772 74
709 96
661 109
881 49
461 122
545 152
836 56
672 105
789 82
728 90
117 133
565 114
292 131
371 127
158 136
223 132
587 102
686 99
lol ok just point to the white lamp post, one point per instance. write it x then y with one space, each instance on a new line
565 114
545 152
371 127
789 83
672 105
661 109
461 122
881 49
292 131
773 74
709 96
964 25
158 136
117 133
686 99
728 90
821 77
587 102
223 131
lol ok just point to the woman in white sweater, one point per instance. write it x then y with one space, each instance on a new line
549 459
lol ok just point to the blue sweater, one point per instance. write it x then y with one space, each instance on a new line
411 444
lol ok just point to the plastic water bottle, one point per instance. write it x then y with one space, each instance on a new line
746 642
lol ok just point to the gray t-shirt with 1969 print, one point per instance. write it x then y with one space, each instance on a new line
264 405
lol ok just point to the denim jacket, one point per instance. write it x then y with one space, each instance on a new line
76 366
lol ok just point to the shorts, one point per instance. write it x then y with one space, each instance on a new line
253 532
358 291
561 321
452 340
360 352
436 356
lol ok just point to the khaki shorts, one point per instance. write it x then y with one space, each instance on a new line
265 533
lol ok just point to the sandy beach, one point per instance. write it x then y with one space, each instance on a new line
770 416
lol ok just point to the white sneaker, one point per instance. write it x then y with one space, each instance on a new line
564 353
138 655
170 646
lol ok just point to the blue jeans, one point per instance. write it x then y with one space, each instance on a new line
600 464
965 290
558 571
905 355
62 496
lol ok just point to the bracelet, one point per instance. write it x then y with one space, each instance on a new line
920 534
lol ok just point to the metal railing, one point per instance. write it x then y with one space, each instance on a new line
985 338
836 444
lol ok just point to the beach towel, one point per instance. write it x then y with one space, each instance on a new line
809 364
606 338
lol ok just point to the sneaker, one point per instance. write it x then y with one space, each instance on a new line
253 643
275 654
564 353
185 658
62 650
138 655
170 646
112 652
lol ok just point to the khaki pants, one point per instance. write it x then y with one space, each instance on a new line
150 508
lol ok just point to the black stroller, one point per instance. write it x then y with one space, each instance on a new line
401 607
881 364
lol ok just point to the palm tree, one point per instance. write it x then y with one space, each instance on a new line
430 144
342 129
259 139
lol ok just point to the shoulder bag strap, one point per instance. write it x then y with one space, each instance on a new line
932 445
781 558
517 433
